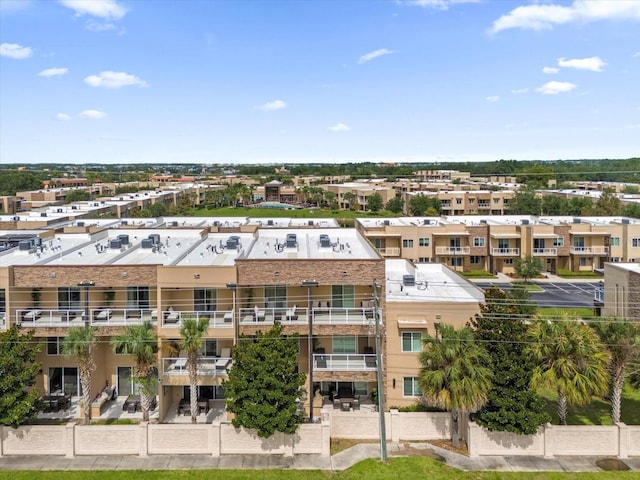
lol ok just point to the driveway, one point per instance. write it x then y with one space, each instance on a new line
569 294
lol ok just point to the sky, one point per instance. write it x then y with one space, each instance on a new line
261 81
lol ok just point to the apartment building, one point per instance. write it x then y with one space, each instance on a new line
442 175
327 284
466 202
492 243
358 193
619 294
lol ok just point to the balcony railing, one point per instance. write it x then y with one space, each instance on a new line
217 318
505 252
206 366
343 316
268 316
590 250
598 295
35 317
545 252
122 316
344 362
453 250
390 251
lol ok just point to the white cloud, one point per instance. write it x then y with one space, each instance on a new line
636 55
14 50
63 116
546 16
53 72
272 106
550 70
340 127
637 125
94 26
519 91
593 64
92 114
553 88
371 55
437 4
97 8
492 98
111 79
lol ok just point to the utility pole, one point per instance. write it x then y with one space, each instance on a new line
383 428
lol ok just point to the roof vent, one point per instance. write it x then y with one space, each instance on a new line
147 243
408 280
115 243
325 241
292 241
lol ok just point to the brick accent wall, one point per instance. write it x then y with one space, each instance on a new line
71 275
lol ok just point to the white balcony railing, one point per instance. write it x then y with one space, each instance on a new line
101 317
505 252
545 252
217 318
390 251
268 316
343 316
206 366
453 250
344 362
36 317
590 250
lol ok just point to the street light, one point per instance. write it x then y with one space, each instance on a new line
86 286
310 284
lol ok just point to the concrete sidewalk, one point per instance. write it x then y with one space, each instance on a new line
339 461
548 278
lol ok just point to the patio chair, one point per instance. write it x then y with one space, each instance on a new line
355 404
292 316
337 404
225 359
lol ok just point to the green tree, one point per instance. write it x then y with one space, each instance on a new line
554 205
350 198
421 205
528 267
536 175
632 210
192 335
455 373
512 405
395 205
525 202
141 341
580 206
80 343
622 340
570 359
19 403
375 202
264 386
608 204
76 196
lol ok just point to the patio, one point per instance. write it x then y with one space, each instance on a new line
114 409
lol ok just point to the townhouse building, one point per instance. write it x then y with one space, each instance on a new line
619 293
466 202
327 284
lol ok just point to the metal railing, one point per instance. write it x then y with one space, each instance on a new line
344 362
343 316
121 316
505 252
453 250
36 317
545 252
206 365
268 316
590 250
217 318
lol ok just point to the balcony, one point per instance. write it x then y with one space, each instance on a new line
102 317
268 316
344 362
389 251
545 252
505 252
217 318
343 316
590 250
3 320
206 366
453 250
35 317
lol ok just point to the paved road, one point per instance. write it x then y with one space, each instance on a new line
566 294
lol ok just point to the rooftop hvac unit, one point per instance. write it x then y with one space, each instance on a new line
74 207
233 242
292 241
625 221
387 222
155 238
270 223
24 245
173 224
426 221
310 223
484 222
576 220
37 241
115 243
80 224
408 280
43 214
124 239
325 241
525 222
15 219
147 243
59 210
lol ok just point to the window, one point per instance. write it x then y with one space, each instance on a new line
344 344
472 201
558 242
615 241
497 201
3 301
423 242
616 259
54 345
577 242
456 262
407 243
458 201
583 262
475 259
275 296
204 299
209 347
64 379
377 242
635 242
410 387
424 260
343 296
138 297
411 341
68 298
508 261
478 241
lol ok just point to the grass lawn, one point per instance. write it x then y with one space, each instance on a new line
477 274
407 467
597 412
581 312
529 287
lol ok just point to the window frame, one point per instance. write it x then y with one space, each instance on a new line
414 387
411 341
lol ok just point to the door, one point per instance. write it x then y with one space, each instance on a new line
64 379
125 381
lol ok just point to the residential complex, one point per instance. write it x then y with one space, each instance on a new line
327 284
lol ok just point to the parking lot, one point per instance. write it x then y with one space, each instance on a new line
565 294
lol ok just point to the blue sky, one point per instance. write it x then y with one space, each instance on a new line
197 81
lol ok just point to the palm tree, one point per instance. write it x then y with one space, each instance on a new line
79 343
570 359
350 198
622 340
455 373
192 333
141 342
